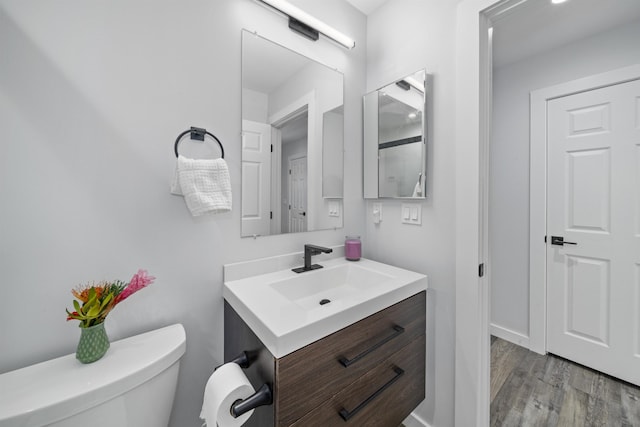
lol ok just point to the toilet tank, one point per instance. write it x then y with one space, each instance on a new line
133 385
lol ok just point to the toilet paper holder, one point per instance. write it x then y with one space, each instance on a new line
243 360
262 397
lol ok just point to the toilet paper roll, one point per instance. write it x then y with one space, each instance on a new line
226 385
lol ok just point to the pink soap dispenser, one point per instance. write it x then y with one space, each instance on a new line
352 248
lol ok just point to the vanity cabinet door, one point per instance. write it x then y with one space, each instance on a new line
314 374
382 397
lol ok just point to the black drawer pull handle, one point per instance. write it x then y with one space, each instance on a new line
346 415
346 362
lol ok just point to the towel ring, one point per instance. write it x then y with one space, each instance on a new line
198 135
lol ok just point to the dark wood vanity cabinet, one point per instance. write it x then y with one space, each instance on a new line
371 373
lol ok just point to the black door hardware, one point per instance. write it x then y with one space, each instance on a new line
559 240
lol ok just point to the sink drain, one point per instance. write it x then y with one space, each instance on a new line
324 301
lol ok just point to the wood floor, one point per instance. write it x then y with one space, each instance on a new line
528 389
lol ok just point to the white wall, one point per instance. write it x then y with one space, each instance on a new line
404 36
332 153
509 182
92 96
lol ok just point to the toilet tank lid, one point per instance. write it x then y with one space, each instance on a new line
62 387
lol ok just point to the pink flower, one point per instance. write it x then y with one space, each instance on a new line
138 281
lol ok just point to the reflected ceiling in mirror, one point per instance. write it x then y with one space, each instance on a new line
394 139
292 141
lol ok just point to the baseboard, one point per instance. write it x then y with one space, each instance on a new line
414 421
509 335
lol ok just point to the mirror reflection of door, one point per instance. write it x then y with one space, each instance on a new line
297 194
292 171
300 102
256 169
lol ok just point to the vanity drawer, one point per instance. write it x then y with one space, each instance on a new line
314 374
383 397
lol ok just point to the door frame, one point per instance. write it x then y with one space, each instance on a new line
306 102
276 180
473 95
538 190
473 134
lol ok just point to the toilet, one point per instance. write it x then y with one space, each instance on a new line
133 385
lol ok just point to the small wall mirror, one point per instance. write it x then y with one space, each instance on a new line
292 141
395 139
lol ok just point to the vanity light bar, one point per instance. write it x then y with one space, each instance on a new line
299 15
415 83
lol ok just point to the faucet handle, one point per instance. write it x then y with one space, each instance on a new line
309 251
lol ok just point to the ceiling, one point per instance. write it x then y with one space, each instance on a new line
537 25
367 6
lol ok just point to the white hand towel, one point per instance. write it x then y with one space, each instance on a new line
205 185
417 190
175 183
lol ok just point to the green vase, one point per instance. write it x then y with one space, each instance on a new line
93 343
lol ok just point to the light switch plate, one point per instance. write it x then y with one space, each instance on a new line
411 213
377 213
334 209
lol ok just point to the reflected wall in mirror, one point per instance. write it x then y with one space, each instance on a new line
332 152
292 141
395 139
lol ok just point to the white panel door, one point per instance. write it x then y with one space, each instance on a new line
297 195
256 178
593 199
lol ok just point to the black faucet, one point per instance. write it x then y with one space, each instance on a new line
309 251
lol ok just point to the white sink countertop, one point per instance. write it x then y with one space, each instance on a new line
284 308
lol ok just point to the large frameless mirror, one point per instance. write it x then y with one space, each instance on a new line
395 139
292 141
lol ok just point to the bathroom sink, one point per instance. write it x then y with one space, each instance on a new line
288 311
329 285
